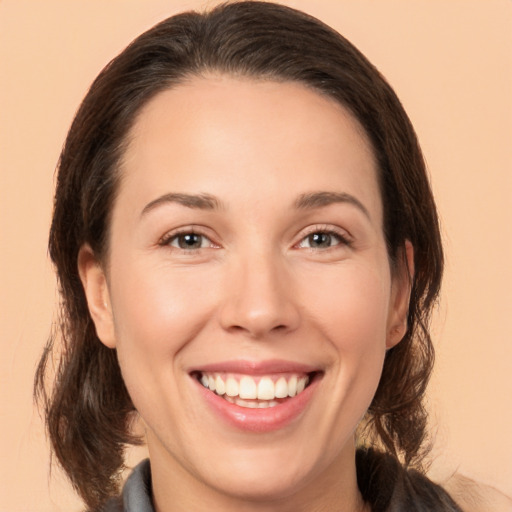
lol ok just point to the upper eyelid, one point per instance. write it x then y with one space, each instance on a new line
170 243
341 241
346 240
301 235
185 230
167 241
324 228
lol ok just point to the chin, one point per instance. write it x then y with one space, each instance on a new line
260 484
268 475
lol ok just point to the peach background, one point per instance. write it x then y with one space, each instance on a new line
450 63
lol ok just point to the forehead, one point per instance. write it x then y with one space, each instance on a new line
215 132
228 98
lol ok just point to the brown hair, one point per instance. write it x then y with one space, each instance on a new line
88 411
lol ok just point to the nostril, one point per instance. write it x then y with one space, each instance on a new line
257 330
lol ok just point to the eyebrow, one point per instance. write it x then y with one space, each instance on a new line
319 199
196 201
307 201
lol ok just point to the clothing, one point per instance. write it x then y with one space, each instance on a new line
136 496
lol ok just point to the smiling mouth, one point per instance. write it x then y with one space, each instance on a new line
255 392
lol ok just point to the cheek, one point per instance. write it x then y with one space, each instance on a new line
352 314
349 307
352 305
157 311
156 314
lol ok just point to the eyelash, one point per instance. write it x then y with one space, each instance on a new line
342 238
168 239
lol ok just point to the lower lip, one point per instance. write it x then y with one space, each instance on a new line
259 420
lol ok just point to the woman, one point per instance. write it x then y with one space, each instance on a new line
248 253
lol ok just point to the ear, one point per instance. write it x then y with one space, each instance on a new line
97 294
402 280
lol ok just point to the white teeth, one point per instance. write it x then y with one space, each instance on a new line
211 382
292 386
245 403
253 404
269 403
220 387
231 387
248 388
281 388
266 389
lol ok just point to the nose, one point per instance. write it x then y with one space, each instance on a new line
259 300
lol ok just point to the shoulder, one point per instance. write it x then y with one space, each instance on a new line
473 496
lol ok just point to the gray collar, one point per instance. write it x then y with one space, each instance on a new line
136 496
137 490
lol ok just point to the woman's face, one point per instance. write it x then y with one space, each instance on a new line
247 256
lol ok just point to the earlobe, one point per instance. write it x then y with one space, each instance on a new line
97 294
403 279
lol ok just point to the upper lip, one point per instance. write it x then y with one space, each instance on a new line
248 367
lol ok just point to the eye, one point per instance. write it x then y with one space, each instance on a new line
322 240
187 241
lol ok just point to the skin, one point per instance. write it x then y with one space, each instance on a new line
257 288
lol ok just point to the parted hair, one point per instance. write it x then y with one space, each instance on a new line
88 409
